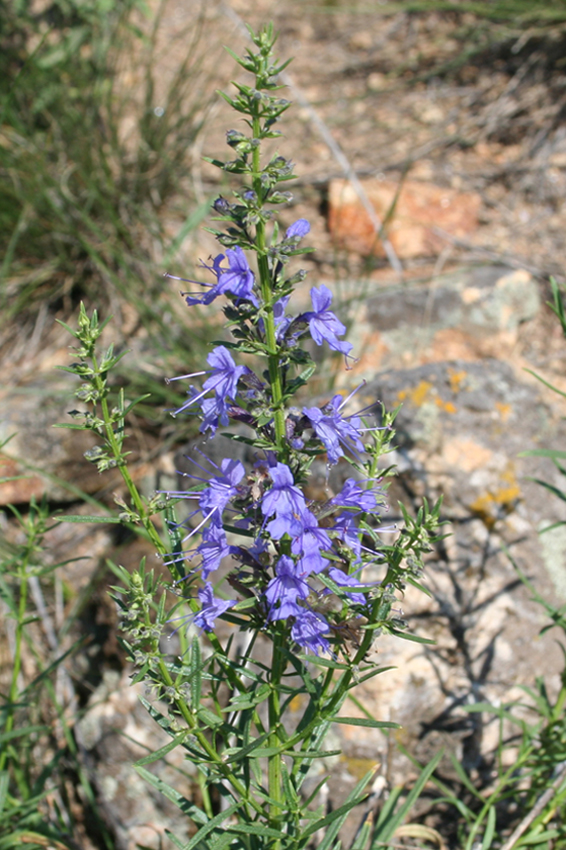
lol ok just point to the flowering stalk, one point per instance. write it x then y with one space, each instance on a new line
315 578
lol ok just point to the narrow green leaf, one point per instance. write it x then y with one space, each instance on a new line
191 223
464 778
18 733
363 835
413 638
365 721
9 438
550 487
289 794
71 426
311 754
546 384
336 818
77 518
209 718
141 674
489 830
374 672
544 453
159 718
246 752
133 403
188 808
53 666
26 837
174 839
211 826
417 584
4 783
500 711
318 786
250 699
162 751
540 837
386 826
325 662
195 679
254 829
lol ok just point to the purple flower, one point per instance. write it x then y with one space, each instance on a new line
212 607
215 412
223 379
348 533
284 497
323 324
333 430
283 591
213 290
213 548
222 488
251 555
239 279
224 374
308 631
353 495
298 229
309 544
285 524
342 580
193 394
281 321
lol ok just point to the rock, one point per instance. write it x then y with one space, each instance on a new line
37 453
466 314
361 40
42 459
481 302
465 424
376 81
115 731
460 433
412 216
428 112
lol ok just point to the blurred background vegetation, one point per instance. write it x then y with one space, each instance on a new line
95 160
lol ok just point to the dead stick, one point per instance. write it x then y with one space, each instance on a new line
535 811
336 151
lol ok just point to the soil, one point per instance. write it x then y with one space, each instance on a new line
380 87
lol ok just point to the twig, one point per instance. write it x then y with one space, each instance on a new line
535 811
489 254
349 172
336 151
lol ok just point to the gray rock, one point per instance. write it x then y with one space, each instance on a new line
42 458
461 430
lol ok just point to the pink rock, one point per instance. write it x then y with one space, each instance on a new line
411 217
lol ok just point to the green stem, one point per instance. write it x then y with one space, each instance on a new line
211 754
124 471
267 300
274 711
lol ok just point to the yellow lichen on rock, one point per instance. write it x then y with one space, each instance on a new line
498 502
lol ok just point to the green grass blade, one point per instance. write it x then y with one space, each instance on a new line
385 828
